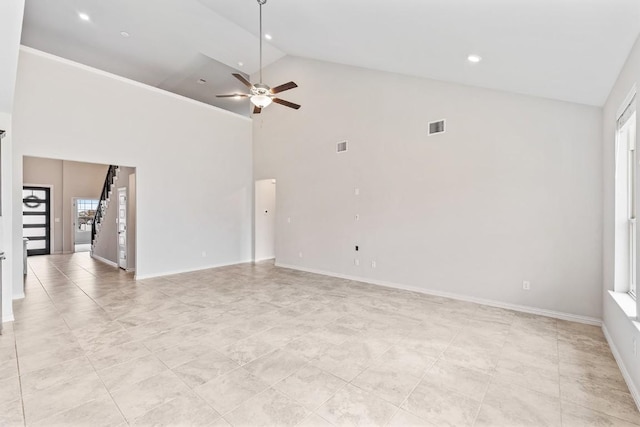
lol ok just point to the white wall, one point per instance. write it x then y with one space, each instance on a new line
11 14
265 220
193 161
6 219
621 328
510 192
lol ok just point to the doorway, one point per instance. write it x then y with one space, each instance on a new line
84 213
36 219
265 220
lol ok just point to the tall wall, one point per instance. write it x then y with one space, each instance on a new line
11 14
193 161
6 221
619 314
510 192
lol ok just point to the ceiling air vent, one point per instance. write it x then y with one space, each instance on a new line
436 127
342 147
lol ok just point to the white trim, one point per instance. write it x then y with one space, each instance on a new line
8 318
264 259
623 369
522 308
170 273
103 73
104 260
130 270
626 102
19 296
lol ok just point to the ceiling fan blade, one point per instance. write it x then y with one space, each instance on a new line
244 81
233 95
256 110
283 87
286 103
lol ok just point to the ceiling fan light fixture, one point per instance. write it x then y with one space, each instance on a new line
261 95
261 101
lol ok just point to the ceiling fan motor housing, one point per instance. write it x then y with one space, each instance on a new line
260 89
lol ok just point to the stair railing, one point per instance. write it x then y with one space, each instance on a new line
102 205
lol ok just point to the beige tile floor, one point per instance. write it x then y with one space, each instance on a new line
258 345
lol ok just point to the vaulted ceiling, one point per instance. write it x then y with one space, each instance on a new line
570 50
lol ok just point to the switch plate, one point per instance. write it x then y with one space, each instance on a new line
356 262
526 285
356 191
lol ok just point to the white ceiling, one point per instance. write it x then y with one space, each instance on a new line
570 50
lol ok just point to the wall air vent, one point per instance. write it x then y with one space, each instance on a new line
436 127
342 147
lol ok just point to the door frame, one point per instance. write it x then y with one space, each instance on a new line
126 214
52 223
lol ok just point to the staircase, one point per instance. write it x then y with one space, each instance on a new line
105 196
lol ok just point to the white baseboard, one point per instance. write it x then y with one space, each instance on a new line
130 270
7 318
264 259
104 260
169 273
499 304
623 369
18 296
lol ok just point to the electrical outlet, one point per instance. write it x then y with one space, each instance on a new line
356 191
526 285
289 220
356 262
300 254
373 264
357 217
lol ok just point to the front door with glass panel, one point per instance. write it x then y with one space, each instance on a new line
36 219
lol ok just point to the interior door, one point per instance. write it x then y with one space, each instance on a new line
122 227
36 219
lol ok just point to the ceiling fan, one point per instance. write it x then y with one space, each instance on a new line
261 95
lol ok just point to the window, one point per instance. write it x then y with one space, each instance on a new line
626 200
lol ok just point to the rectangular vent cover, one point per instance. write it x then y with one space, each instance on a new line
436 127
342 147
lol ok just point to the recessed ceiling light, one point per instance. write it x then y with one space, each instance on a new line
84 16
474 58
124 34
201 81
268 36
240 64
